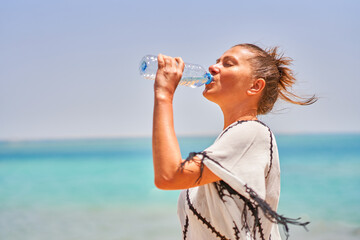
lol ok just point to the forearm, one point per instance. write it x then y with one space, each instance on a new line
166 150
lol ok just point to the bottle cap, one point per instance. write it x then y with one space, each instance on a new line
209 77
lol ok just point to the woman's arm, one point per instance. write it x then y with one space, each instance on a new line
166 150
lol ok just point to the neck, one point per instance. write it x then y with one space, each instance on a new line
238 113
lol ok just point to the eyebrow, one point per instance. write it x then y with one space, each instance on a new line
231 58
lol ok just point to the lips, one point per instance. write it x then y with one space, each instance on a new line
210 84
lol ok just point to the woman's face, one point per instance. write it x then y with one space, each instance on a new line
231 77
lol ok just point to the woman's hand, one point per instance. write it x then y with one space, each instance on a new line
168 76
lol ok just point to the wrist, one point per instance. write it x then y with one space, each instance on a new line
161 96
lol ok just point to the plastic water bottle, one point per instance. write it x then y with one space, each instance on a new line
193 76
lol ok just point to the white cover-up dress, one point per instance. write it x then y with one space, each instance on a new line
243 204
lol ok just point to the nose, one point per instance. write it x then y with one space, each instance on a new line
214 69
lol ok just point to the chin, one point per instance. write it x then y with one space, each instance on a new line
209 95
205 93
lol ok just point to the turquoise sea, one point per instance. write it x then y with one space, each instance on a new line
103 188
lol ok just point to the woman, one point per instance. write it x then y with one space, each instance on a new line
232 188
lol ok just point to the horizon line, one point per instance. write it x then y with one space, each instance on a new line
180 135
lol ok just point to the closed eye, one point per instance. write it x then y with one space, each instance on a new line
228 64
227 61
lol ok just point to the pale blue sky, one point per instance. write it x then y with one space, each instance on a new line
70 68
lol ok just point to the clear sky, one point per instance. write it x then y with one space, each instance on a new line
70 68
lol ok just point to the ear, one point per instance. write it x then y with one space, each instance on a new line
257 87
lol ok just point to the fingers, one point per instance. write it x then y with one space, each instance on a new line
165 61
180 63
161 61
169 73
171 63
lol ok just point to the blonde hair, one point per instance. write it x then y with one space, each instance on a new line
273 68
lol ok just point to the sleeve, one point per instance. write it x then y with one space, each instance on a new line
240 157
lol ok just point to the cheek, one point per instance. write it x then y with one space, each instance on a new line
235 82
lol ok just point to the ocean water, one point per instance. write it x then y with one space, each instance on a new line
103 188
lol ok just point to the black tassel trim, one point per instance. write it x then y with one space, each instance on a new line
186 227
252 206
271 153
191 158
236 231
272 215
271 146
248 205
231 126
202 219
